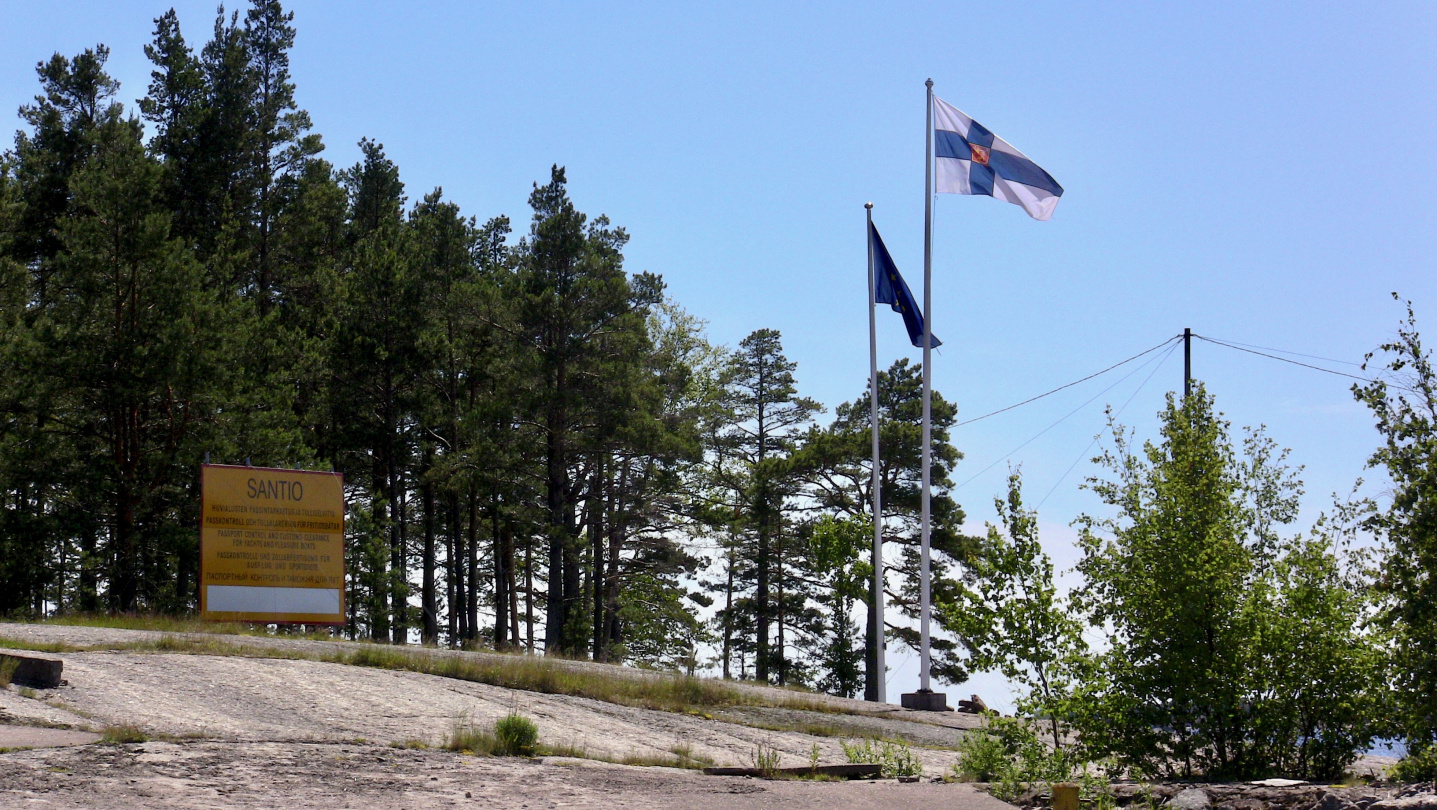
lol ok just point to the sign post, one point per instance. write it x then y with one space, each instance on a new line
271 545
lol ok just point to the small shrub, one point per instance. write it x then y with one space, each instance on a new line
896 758
1097 793
515 736
1008 751
1418 767
7 670
982 757
121 734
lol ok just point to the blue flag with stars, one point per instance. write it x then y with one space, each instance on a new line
890 288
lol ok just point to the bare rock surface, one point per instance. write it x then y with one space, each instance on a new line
247 730
92 636
1190 799
211 774
260 699
15 709
1420 801
12 737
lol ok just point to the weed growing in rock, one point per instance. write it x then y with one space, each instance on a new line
766 759
896 758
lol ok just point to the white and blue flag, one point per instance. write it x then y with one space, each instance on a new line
972 160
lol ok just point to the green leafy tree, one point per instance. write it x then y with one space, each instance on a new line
1015 622
1172 574
1404 404
135 328
1316 676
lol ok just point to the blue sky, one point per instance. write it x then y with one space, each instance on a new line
1259 173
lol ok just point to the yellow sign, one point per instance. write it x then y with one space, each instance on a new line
271 545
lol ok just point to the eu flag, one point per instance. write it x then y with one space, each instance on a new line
890 288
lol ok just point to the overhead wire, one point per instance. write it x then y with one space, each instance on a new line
1238 343
1068 385
1064 418
1237 347
1161 362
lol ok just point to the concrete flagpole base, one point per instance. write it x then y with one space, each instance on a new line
926 700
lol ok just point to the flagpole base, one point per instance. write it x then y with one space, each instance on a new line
926 700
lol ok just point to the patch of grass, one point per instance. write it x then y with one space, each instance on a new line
179 624
799 726
679 756
467 738
410 743
122 734
27 692
516 736
676 693
4 750
570 749
38 646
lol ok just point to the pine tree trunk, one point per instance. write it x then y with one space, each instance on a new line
501 575
598 494
428 597
472 601
451 564
728 615
529 592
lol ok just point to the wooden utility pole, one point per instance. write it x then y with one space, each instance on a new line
1187 363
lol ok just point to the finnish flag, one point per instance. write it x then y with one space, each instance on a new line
972 160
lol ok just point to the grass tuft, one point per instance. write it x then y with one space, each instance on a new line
7 670
467 738
410 743
122 734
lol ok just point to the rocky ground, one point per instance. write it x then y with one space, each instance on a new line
252 731
215 774
229 731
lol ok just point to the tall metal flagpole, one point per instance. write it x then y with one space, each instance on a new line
879 667
926 661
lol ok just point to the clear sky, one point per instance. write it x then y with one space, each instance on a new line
1261 173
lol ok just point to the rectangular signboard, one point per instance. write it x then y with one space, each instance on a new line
271 545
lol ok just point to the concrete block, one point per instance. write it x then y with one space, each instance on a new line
926 701
30 670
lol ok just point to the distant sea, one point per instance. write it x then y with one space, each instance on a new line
1388 748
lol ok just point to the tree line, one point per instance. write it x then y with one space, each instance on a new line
544 452
541 450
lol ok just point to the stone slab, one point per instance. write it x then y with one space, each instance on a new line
862 770
32 670
33 737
